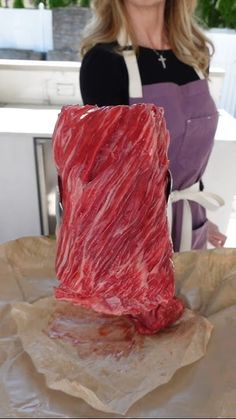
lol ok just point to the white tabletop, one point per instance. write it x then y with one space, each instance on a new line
33 120
41 121
226 129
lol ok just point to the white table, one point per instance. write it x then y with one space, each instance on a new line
220 175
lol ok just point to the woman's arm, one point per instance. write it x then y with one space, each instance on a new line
214 236
103 78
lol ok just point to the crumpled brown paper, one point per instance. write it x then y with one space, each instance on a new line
207 281
108 369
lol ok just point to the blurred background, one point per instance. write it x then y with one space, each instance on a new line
39 73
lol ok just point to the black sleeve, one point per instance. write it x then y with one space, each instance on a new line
103 78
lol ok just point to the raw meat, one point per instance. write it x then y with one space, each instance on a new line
114 251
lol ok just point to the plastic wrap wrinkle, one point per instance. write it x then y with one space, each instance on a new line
203 389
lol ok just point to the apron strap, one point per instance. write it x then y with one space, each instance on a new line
200 74
135 84
207 200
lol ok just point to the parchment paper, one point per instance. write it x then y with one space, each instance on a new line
109 371
207 281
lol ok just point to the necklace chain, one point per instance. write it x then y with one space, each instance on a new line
161 58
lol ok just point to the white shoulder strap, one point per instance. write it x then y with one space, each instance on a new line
135 84
199 73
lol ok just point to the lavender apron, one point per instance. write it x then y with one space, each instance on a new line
191 117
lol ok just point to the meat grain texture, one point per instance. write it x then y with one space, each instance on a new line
114 251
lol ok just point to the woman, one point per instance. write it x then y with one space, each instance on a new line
152 51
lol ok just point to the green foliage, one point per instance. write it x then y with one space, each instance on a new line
65 3
84 3
62 3
227 9
217 13
18 4
56 3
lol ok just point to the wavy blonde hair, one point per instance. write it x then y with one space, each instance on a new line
185 36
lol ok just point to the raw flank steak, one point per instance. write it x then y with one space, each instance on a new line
114 251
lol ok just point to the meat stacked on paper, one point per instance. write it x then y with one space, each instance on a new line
114 252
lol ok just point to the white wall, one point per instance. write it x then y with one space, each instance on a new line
225 57
19 204
29 29
19 212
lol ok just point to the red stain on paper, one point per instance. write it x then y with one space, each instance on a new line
94 333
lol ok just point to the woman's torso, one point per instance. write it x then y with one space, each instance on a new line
189 108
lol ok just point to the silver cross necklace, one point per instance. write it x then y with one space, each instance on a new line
161 58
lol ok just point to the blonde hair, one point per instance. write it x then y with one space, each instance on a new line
185 36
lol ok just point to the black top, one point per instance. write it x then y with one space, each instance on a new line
104 76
